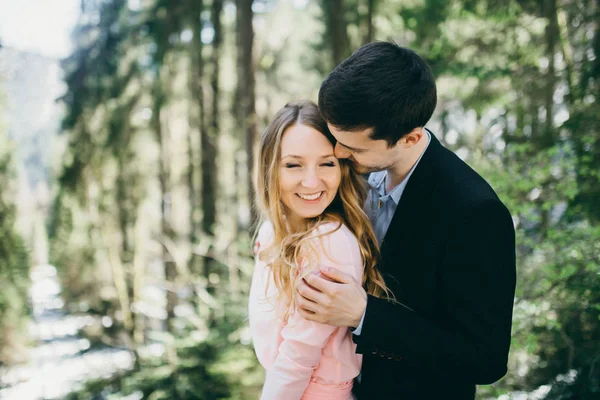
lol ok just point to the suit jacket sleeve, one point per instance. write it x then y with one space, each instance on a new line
476 292
303 340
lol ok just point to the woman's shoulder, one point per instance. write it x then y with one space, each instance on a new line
265 230
333 228
264 236
336 233
337 247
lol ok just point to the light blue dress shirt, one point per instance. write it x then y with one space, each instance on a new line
380 206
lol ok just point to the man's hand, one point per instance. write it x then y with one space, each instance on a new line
334 298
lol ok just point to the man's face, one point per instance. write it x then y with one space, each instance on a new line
367 154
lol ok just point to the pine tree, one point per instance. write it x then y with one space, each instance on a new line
14 263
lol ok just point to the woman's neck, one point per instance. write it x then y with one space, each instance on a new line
295 224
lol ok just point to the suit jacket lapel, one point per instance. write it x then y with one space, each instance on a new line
418 189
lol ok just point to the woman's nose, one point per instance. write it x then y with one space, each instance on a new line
341 152
310 179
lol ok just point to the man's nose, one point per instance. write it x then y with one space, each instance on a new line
311 179
341 152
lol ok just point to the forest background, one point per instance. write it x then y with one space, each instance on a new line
134 199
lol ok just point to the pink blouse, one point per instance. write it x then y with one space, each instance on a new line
303 357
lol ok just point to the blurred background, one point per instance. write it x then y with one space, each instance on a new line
126 133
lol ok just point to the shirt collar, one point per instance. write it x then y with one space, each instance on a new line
377 180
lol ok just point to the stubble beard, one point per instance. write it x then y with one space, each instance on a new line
365 169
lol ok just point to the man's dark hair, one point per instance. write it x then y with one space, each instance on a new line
381 86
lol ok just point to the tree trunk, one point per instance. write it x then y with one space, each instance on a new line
207 148
192 194
216 11
552 33
246 95
209 134
122 208
370 31
139 263
336 29
158 101
119 279
567 52
125 197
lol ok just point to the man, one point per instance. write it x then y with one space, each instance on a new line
447 241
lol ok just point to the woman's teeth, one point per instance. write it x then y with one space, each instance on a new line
310 196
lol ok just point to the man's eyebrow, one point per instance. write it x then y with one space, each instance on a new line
350 148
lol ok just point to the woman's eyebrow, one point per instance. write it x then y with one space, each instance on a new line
291 156
300 157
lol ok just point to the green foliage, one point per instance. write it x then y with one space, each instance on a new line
200 364
74 254
518 85
14 263
493 58
568 342
191 364
183 372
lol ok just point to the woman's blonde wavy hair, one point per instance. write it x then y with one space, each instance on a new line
290 250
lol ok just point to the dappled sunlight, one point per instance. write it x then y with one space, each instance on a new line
128 133
60 361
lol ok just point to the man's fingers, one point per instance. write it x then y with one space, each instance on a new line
308 309
310 293
335 275
302 302
319 283
305 309
308 315
311 316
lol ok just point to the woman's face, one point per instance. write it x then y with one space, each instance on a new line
309 173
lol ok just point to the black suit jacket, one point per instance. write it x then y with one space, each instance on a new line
449 258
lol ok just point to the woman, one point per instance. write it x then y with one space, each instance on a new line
312 210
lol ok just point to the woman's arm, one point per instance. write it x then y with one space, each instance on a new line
303 340
264 326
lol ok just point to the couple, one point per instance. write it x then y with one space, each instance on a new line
402 293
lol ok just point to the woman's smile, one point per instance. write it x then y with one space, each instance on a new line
309 174
311 198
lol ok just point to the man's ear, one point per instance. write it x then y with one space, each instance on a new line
413 137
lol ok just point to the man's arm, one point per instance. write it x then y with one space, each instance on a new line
358 329
477 290
477 283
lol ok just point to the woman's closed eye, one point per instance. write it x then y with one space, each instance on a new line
295 165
